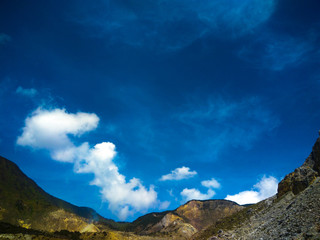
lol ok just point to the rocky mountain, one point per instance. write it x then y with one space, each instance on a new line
23 203
186 220
27 212
294 213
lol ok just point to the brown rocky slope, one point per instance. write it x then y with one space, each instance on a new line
186 220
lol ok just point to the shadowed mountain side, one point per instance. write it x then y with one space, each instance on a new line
24 203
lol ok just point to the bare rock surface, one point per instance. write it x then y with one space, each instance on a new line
294 213
303 176
291 217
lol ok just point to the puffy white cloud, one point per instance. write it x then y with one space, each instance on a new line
193 193
213 183
190 194
265 188
29 92
178 174
244 197
124 198
51 130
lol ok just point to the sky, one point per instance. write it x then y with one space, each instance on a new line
131 107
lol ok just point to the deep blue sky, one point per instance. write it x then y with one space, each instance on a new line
228 89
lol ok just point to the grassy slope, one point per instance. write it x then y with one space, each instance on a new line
21 198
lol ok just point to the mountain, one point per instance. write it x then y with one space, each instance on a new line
24 203
187 219
28 212
293 213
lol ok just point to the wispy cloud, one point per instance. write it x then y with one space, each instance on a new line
276 52
164 205
220 123
265 188
179 174
28 92
52 130
4 38
172 24
195 194
235 18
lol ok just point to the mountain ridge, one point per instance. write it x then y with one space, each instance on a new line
293 213
23 202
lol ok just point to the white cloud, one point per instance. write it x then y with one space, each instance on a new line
28 92
52 129
193 193
213 183
179 174
164 205
124 198
190 194
265 188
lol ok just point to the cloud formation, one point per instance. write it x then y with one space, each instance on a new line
28 92
193 193
124 198
276 52
179 174
52 130
212 183
265 188
172 24
220 123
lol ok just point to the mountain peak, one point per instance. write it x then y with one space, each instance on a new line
304 175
